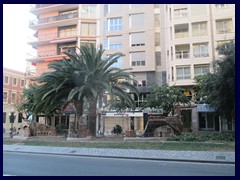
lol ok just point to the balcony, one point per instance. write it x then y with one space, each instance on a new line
54 18
59 21
38 9
54 38
181 31
196 55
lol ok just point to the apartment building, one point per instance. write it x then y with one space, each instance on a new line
60 28
13 84
191 35
170 43
134 30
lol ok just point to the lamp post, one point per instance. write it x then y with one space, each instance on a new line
11 118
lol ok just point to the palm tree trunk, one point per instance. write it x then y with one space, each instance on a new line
79 111
92 115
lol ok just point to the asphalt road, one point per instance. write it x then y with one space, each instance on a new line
23 164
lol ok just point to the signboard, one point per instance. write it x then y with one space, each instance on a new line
204 108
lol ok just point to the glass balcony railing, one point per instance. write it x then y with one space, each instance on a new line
182 55
54 18
181 35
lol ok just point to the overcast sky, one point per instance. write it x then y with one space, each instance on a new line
15 35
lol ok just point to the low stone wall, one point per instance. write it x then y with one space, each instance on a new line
29 128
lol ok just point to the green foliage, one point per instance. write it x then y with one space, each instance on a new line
165 97
61 129
82 76
218 89
117 129
28 96
204 137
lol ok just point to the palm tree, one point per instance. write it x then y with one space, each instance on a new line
56 85
84 75
100 77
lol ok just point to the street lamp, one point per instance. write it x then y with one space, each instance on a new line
11 118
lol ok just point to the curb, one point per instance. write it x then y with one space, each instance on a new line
123 157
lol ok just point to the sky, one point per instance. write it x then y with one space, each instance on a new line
16 34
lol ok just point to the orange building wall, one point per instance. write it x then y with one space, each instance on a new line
41 68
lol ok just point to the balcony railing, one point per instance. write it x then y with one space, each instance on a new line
54 18
199 33
45 37
48 53
201 55
181 35
182 55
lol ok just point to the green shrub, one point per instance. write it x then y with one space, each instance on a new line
204 137
61 129
117 129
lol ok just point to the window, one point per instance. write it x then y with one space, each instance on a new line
4 117
157 38
22 83
14 97
6 79
137 20
105 43
200 50
115 24
180 13
158 58
88 11
199 29
67 31
183 73
137 39
105 27
182 51
5 96
181 31
115 42
157 20
14 81
138 58
201 69
88 29
224 26
66 47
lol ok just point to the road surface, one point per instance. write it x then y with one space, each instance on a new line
23 164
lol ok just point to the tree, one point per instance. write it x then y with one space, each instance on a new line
218 88
165 97
84 75
57 84
28 99
99 77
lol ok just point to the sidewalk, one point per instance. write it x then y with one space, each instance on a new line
168 155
